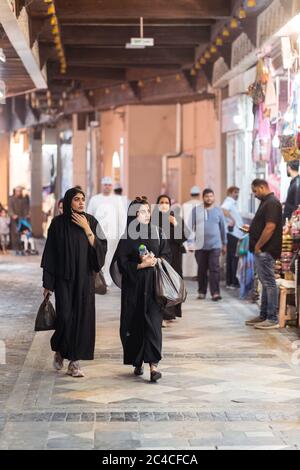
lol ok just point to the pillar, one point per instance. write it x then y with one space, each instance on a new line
36 184
80 144
4 168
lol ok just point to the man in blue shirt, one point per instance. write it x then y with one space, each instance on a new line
215 242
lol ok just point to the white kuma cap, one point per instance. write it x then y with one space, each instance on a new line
195 191
107 180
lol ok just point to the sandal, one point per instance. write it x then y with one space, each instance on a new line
138 371
155 375
58 362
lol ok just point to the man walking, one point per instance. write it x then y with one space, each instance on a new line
215 241
266 243
189 262
234 235
111 213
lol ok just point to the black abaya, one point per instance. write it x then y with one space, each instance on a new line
176 238
141 315
72 280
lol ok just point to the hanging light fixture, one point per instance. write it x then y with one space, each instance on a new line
202 61
219 41
234 23
213 49
242 13
2 55
51 9
178 77
207 55
193 73
226 32
251 3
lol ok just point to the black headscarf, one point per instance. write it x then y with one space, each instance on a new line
162 218
69 239
144 231
59 257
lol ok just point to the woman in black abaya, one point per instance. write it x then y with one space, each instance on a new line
141 315
74 251
175 230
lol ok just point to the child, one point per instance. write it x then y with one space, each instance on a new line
4 230
25 231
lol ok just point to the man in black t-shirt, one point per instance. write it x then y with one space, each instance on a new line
266 244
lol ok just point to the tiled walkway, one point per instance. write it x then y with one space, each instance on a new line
224 385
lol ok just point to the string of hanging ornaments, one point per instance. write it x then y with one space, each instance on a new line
56 33
233 24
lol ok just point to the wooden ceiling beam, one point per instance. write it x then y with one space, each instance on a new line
115 36
123 57
89 73
21 43
162 9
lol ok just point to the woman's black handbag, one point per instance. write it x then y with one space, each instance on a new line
169 285
100 284
46 317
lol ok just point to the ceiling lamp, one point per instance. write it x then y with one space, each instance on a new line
219 41
202 61
207 55
251 3
198 66
193 73
178 77
2 56
226 32
213 49
2 90
51 9
234 23
54 21
242 13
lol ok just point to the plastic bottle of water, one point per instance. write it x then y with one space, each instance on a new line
143 251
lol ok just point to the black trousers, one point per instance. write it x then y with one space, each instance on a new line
209 271
232 261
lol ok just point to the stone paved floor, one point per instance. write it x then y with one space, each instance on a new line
224 385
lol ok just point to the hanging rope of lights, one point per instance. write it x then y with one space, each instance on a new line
56 35
233 24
